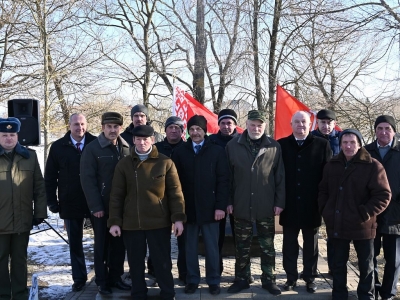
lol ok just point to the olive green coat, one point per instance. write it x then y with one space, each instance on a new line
22 192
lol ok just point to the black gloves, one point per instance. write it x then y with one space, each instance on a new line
37 221
54 208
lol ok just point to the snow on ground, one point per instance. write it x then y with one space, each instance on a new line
49 256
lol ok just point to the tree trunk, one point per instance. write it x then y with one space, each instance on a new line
271 71
257 79
199 55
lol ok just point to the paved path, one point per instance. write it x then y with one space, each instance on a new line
323 281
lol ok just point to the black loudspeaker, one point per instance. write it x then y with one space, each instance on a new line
28 112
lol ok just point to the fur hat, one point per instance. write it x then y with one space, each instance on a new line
112 117
10 125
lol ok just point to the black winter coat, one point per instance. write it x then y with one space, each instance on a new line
389 220
222 140
303 172
204 178
97 171
127 135
62 178
165 148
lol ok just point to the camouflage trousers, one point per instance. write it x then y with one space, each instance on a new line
243 239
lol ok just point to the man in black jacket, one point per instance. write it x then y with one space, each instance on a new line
204 174
173 140
227 121
139 116
62 179
386 149
304 156
97 171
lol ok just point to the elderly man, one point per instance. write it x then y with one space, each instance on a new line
258 186
97 169
386 150
22 203
353 191
227 121
172 141
139 116
304 156
204 174
64 191
145 208
326 121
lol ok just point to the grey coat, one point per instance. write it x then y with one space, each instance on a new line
97 170
258 184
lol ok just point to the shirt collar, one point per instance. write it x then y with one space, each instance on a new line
379 146
194 144
74 142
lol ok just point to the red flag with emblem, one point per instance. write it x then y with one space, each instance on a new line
185 107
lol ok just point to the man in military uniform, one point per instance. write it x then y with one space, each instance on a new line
258 188
22 203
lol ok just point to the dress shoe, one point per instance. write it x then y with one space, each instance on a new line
121 285
271 287
191 288
289 285
214 289
238 285
311 287
104 289
251 279
78 286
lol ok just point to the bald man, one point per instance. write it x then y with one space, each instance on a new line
304 156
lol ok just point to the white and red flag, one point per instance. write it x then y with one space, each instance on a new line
185 107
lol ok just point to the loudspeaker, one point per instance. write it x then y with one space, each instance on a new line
28 112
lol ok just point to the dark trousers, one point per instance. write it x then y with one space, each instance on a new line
13 282
75 235
210 233
181 263
221 239
329 253
290 252
109 253
365 252
159 242
244 237
391 252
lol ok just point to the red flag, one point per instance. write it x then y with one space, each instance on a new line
185 107
286 106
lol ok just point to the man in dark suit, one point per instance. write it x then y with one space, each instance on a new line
62 178
304 156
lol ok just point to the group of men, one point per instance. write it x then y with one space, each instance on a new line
135 185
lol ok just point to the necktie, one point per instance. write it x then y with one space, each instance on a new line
197 148
78 146
300 142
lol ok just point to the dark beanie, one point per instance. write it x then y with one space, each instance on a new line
227 113
199 121
143 131
351 131
387 119
139 108
174 120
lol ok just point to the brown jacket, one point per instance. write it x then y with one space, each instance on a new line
145 194
352 194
